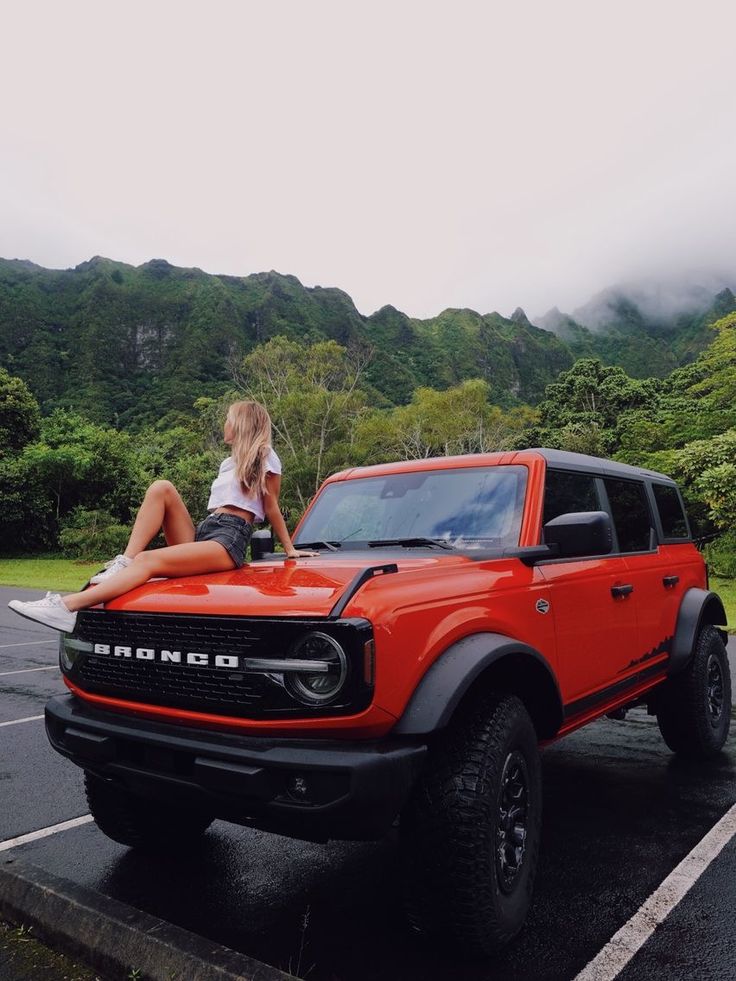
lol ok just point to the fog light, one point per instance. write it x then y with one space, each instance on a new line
296 790
322 686
298 787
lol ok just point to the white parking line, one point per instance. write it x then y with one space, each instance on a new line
29 643
15 722
44 832
53 667
613 958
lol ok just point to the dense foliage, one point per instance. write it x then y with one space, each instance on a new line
128 346
683 425
120 376
135 346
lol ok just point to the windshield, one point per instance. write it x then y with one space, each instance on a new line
465 507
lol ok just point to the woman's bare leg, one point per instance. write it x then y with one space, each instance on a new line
189 559
162 507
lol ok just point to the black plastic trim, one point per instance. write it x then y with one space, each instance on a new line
355 584
531 555
606 694
599 555
362 784
448 679
698 607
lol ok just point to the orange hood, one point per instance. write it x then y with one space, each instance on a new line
299 587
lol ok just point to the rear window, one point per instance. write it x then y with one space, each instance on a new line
671 514
631 515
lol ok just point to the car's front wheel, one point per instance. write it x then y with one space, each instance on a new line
141 822
694 707
470 833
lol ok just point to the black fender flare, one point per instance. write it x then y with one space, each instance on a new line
698 607
451 675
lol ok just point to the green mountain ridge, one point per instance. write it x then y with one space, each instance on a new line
128 344
617 327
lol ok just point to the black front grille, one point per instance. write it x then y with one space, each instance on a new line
223 691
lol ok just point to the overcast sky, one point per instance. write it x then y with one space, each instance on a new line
421 154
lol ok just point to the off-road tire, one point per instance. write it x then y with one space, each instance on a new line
141 822
694 707
451 834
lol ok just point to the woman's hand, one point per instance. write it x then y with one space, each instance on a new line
276 518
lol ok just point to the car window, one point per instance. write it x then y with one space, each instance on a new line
631 515
565 491
459 505
671 514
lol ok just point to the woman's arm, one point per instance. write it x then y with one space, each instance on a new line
276 519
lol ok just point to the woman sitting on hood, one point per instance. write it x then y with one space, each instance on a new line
245 490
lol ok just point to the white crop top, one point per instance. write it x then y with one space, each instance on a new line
226 488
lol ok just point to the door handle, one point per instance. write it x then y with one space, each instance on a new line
622 590
668 581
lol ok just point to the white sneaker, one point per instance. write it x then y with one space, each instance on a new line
50 610
117 564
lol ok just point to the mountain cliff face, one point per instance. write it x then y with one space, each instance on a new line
128 344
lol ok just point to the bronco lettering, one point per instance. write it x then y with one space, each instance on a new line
163 656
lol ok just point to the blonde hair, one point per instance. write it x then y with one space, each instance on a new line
251 444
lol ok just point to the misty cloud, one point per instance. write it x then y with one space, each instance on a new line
420 154
657 301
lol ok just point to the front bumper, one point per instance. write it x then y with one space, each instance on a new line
314 789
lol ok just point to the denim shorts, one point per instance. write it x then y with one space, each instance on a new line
229 530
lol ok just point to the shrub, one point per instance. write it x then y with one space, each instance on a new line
92 535
720 555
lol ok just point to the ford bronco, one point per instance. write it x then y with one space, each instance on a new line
462 612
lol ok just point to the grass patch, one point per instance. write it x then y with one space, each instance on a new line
58 575
25 957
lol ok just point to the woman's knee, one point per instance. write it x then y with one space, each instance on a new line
161 488
145 560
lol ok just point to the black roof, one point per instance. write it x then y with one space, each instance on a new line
565 460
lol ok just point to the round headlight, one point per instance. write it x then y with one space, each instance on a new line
321 686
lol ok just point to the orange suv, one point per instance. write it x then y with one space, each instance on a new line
461 612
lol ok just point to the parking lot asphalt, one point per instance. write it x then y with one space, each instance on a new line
620 813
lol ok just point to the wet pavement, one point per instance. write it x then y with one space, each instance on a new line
620 813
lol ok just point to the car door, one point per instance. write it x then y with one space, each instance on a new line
594 618
628 504
661 573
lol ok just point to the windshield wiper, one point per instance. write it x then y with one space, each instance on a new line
410 542
332 546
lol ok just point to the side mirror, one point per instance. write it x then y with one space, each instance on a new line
261 543
580 533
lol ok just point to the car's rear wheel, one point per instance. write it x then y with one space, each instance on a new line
141 822
470 833
694 707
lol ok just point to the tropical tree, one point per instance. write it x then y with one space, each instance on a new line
456 420
314 396
595 394
20 417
